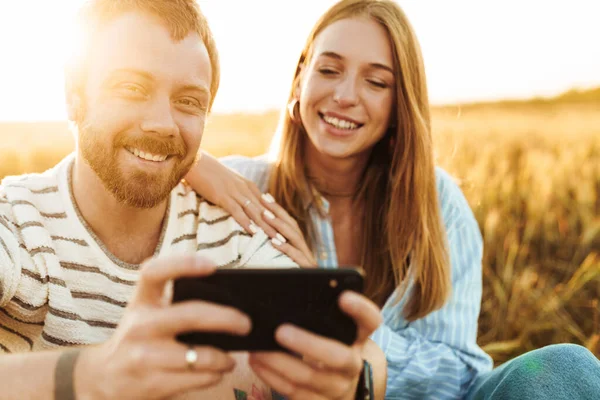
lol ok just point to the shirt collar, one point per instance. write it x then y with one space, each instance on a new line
316 201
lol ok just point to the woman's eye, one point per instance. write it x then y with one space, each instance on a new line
327 71
379 84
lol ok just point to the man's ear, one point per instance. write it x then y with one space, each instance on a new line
73 95
74 103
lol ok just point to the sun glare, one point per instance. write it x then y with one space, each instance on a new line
472 50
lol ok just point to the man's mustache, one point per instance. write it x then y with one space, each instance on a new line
153 145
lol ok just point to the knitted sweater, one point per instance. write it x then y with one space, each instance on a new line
59 285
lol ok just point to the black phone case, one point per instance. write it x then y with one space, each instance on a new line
307 298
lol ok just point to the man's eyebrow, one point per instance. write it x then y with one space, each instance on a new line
336 56
202 89
133 71
148 76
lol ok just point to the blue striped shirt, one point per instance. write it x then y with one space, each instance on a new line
436 357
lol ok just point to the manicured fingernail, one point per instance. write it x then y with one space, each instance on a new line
280 238
269 214
253 228
276 242
268 198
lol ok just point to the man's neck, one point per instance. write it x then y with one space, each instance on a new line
129 233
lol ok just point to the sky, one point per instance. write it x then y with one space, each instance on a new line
473 50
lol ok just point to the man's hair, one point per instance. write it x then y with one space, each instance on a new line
179 16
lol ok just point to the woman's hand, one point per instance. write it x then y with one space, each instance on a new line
289 238
226 188
249 207
327 368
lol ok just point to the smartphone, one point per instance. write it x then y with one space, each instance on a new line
307 298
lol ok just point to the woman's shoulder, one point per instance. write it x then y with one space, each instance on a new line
255 168
454 205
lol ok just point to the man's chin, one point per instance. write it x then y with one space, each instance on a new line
138 197
142 190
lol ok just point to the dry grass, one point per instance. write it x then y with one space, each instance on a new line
531 173
532 177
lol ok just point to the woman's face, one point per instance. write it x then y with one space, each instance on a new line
347 90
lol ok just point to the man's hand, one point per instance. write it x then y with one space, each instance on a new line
142 360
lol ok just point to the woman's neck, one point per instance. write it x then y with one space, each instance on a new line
334 177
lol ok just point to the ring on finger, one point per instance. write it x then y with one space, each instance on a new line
247 203
191 357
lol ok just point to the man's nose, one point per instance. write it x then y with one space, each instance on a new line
159 119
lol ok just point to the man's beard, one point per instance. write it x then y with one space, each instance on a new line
136 188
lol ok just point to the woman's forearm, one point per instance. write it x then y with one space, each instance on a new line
194 176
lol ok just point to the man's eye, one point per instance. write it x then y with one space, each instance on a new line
189 102
132 88
191 105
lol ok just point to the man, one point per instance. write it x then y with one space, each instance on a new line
74 240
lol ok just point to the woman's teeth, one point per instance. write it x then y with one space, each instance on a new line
146 156
340 123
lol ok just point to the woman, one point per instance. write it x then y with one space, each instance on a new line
355 169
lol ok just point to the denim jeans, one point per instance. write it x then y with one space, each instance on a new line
561 371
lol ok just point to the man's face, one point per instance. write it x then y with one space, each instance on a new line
144 108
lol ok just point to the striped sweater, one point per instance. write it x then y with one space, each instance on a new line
59 286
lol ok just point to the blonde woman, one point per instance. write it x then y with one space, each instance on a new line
354 182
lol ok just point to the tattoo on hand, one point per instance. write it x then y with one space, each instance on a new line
256 394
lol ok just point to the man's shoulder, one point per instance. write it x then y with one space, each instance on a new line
187 201
219 236
25 200
29 184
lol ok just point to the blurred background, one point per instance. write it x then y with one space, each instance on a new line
515 92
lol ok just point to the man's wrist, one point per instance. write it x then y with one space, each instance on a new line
64 372
83 375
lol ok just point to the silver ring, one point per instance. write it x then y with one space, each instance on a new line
247 203
191 357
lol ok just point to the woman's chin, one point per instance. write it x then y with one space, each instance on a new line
335 151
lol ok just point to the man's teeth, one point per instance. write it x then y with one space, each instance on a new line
339 123
146 156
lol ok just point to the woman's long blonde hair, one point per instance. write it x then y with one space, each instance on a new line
401 224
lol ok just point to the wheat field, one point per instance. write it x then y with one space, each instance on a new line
531 172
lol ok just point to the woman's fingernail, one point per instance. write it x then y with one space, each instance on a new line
276 242
269 214
280 237
253 228
268 198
